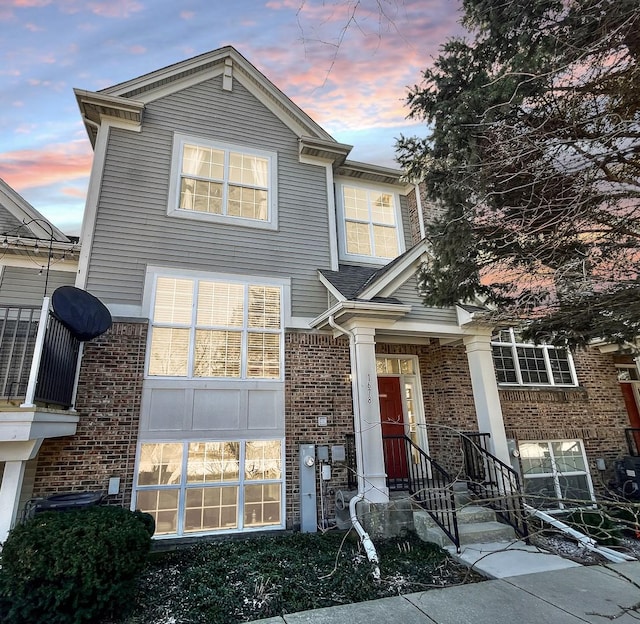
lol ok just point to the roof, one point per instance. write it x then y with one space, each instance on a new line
29 222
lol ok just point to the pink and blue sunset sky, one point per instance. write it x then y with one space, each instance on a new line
356 91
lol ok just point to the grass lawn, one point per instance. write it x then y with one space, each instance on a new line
231 581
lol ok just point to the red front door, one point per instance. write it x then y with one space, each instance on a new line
392 419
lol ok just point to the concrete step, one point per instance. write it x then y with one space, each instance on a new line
470 532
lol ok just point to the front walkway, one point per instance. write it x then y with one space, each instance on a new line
594 594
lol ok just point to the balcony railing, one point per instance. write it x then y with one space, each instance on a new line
38 357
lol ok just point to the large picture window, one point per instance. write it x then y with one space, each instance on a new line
370 223
223 182
210 486
555 474
215 329
524 364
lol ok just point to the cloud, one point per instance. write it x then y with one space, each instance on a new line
72 191
137 49
187 15
28 3
25 128
29 168
33 27
115 8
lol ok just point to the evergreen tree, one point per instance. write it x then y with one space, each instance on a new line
533 155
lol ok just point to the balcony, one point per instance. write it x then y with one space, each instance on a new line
38 363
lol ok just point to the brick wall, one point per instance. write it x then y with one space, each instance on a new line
594 412
108 403
317 383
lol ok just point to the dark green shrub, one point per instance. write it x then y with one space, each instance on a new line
595 524
72 567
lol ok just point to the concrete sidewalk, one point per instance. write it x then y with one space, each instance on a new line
595 594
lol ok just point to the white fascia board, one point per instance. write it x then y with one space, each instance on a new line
393 279
331 288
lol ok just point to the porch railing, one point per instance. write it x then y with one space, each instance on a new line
429 485
38 357
494 482
632 434
352 466
18 330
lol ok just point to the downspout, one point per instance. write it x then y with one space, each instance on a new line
367 544
584 540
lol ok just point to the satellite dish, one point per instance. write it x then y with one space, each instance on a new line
84 315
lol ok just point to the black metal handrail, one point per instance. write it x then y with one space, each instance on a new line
632 434
429 485
495 483
18 329
350 456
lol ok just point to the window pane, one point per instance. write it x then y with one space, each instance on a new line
217 353
203 162
574 488
382 208
263 355
406 367
264 307
535 458
262 504
174 301
201 196
248 170
568 456
358 241
532 366
560 368
160 464
385 242
541 492
163 506
169 352
355 203
504 365
220 304
213 461
262 460
248 203
211 508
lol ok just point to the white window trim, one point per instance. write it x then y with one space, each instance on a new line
182 487
342 231
149 297
514 344
555 474
173 210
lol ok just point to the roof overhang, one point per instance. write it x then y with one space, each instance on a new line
96 107
373 173
335 153
347 311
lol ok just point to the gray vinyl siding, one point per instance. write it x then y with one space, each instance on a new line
24 286
7 221
407 293
133 229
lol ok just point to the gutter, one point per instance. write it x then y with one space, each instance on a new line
367 544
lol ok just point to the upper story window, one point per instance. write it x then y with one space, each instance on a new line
525 364
371 223
224 183
206 328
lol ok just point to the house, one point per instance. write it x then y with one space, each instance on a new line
269 343
36 259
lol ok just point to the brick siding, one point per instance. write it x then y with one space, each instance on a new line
108 403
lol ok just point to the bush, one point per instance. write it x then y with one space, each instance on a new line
596 525
72 567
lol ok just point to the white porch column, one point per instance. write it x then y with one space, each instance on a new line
368 429
15 456
485 394
10 495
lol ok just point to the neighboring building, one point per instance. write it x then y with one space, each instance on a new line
263 289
